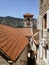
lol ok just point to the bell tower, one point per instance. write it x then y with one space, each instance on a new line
28 18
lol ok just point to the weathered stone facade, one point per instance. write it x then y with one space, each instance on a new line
44 6
22 59
43 34
3 61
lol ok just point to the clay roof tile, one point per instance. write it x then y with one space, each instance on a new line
12 42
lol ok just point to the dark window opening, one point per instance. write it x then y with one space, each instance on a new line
31 60
47 30
45 21
28 19
41 1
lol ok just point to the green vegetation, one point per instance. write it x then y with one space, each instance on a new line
11 21
16 22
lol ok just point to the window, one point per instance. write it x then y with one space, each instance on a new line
41 1
28 19
47 30
45 21
45 51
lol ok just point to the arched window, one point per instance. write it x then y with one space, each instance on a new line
28 19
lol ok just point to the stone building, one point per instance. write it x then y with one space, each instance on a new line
16 43
43 7
43 26
44 12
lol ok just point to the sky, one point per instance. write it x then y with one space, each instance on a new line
16 8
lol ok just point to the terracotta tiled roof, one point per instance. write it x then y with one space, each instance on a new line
25 31
27 14
12 42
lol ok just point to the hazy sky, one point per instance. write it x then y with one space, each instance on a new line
16 8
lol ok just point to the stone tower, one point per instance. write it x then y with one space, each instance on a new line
28 18
28 23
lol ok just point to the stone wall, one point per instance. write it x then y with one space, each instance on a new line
3 61
44 6
22 59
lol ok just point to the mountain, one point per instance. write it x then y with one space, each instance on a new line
15 22
11 21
